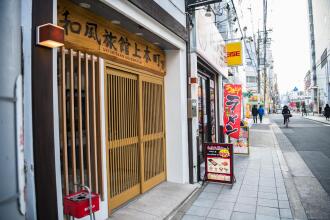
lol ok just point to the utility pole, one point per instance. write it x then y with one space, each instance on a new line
265 49
313 59
258 61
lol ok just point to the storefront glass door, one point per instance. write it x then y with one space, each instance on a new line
206 118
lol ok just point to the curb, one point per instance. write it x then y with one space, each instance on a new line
182 208
323 122
297 208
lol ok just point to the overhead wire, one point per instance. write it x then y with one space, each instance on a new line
243 37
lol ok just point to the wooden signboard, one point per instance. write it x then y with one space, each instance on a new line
219 163
95 34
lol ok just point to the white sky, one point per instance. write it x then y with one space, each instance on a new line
290 43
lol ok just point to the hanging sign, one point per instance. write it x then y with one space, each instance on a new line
95 34
219 162
241 145
232 112
234 53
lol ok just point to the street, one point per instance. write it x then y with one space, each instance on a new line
312 141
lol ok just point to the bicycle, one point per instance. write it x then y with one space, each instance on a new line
286 119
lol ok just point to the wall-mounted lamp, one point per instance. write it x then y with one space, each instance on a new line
208 11
50 35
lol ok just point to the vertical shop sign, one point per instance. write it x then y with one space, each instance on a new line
219 162
232 111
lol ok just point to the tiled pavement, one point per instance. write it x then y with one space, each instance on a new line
259 191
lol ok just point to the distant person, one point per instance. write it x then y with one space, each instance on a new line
327 111
255 114
304 111
261 113
286 113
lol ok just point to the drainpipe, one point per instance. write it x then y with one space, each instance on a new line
189 119
10 69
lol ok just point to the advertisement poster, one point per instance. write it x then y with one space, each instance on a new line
232 111
219 162
241 145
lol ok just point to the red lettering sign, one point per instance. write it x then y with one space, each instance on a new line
232 111
233 54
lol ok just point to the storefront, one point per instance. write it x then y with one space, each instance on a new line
206 109
208 66
118 117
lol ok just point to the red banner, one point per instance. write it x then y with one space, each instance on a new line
232 112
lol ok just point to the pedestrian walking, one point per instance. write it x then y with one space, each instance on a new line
261 113
255 114
304 111
327 111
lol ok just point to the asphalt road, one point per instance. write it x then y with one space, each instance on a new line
312 141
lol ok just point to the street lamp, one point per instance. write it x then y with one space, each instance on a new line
208 11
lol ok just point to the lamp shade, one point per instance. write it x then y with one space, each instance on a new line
208 11
50 35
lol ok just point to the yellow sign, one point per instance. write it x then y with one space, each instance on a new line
95 34
234 54
254 98
247 111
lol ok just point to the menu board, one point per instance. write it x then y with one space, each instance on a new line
241 145
219 162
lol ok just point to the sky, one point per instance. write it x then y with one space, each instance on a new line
290 42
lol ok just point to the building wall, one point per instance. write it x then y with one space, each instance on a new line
321 18
26 19
176 117
176 102
10 117
176 8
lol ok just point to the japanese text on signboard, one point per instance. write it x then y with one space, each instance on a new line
232 113
87 30
219 162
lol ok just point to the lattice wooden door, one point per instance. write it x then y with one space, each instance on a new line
152 131
135 134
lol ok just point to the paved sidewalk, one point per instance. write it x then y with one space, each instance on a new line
259 191
317 118
156 204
